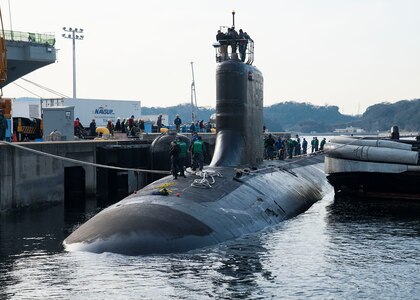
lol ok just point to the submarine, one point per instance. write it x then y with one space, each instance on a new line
238 193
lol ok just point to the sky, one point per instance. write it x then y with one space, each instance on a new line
348 53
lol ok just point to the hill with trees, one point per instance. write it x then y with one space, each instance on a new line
184 111
405 114
306 117
286 116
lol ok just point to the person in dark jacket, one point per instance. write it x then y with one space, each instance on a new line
92 128
174 151
118 125
202 126
110 127
242 41
232 36
291 147
159 123
304 146
222 39
198 151
130 130
141 125
182 155
3 126
313 145
178 123
123 126
322 144
269 147
279 148
316 144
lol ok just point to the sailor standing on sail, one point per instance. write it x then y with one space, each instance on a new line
222 39
233 38
242 44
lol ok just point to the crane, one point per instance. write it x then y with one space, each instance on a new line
3 54
194 116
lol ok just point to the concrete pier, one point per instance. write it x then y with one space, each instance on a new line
29 179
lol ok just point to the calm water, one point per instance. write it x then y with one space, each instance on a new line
338 249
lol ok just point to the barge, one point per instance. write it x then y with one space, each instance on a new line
374 167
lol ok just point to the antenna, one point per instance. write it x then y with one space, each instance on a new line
233 18
194 115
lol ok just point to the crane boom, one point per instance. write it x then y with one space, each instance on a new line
3 54
194 116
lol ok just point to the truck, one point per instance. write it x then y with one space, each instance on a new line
100 110
23 117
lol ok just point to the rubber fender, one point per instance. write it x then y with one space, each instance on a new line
102 130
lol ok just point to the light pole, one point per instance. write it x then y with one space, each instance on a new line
73 33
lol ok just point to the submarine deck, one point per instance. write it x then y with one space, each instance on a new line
210 179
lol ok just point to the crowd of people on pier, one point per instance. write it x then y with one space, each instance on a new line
284 147
130 126
195 126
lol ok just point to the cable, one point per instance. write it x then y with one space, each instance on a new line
26 89
41 87
45 88
82 162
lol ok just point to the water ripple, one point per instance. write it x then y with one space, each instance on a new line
336 250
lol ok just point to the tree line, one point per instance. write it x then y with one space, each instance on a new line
307 117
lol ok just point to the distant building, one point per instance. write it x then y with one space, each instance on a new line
349 130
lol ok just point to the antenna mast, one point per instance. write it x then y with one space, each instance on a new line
194 115
233 19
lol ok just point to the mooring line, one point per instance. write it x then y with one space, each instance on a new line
81 162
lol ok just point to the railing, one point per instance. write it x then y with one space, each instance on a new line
37 38
228 49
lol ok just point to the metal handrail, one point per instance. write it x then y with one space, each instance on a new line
37 38
224 50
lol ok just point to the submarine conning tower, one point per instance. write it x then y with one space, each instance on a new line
239 104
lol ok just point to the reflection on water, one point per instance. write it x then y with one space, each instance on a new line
374 244
339 249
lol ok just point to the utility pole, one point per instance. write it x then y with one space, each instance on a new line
73 36
194 115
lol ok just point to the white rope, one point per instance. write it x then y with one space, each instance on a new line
203 182
80 162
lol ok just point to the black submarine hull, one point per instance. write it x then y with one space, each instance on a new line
238 194
239 202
